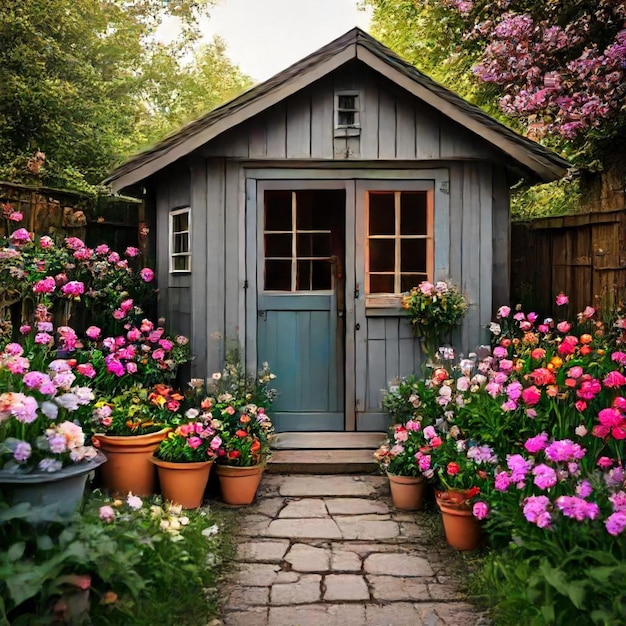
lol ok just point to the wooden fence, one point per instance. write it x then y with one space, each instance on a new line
581 255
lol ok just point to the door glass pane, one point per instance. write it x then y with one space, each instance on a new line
277 275
278 210
313 244
382 216
278 245
314 208
413 255
382 255
321 275
303 280
381 283
408 281
413 213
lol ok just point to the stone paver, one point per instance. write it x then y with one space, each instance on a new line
331 551
397 565
345 587
304 558
304 591
305 508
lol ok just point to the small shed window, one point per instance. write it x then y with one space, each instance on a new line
347 111
180 240
399 250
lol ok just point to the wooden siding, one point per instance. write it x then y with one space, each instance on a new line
582 255
394 126
172 191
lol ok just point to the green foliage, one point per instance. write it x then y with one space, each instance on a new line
116 564
88 82
558 198
412 398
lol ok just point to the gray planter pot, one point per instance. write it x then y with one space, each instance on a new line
50 494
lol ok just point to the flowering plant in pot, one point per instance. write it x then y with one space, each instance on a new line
434 311
129 429
185 456
41 439
400 458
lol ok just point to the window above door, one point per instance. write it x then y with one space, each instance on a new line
399 248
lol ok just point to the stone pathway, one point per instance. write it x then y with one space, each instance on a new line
331 551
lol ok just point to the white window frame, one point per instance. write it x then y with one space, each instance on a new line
172 253
354 129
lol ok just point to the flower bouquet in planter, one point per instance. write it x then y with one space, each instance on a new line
129 428
400 458
435 311
44 458
184 458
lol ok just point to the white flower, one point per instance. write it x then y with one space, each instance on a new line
210 530
216 376
184 520
49 409
581 430
192 413
164 525
134 502
175 509
494 328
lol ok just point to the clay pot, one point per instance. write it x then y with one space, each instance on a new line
129 468
183 483
462 529
239 484
407 492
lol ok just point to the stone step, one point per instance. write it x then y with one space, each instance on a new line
346 461
327 440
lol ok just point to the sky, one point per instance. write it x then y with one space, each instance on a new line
265 36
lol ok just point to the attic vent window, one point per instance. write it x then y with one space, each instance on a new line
347 113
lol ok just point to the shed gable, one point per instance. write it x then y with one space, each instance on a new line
393 125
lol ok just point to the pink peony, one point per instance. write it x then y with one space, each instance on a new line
20 237
614 379
531 395
45 285
561 299
504 311
131 252
146 274
46 242
74 243
106 514
537 443
73 288
86 369
93 332
545 476
131 367
480 510
194 442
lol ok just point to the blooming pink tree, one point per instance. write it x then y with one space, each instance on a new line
560 66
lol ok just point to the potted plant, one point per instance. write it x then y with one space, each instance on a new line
400 458
184 459
43 456
435 311
130 428
461 467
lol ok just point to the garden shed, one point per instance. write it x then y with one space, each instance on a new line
291 219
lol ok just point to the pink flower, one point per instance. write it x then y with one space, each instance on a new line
134 334
106 514
519 467
46 242
614 379
93 332
42 338
604 462
114 257
535 511
158 354
615 523
20 237
612 423
545 476
118 314
131 367
73 288
14 349
504 311
131 252
45 285
426 288
564 450
480 510
74 243
502 481
619 357
126 305
577 508
86 369
499 352
588 313
194 442
537 443
580 405
25 329
115 367
589 389
561 299
531 395
575 372
16 216
146 274
166 344
102 249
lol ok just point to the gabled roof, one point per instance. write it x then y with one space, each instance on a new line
541 163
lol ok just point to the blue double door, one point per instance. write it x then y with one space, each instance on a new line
301 289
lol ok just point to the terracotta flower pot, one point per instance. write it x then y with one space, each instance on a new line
183 483
407 492
129 468
239 484
462 529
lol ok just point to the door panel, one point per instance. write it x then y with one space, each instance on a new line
300 324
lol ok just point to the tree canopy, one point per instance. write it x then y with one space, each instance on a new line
87 82
558 67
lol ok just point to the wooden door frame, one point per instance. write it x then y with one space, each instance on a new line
328 178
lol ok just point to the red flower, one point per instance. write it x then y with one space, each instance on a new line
453 468
241 433
234 454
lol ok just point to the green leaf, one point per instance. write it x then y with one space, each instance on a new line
44 542
572 589
16 551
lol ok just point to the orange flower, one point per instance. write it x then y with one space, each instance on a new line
241 433
206 403
244 419
256 446
586 338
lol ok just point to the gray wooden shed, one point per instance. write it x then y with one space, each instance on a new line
291 219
